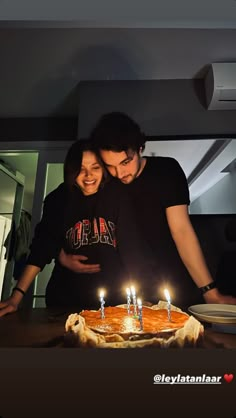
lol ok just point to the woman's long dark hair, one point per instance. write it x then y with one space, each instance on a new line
73 162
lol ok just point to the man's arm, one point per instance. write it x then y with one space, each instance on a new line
190 252
75 263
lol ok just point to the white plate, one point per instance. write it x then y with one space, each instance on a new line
214 313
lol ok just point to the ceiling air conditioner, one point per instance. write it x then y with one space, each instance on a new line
220 85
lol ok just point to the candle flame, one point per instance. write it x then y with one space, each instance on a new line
128 291
167 295
132 288
101 294
139 302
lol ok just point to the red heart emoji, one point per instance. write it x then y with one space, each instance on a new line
228 377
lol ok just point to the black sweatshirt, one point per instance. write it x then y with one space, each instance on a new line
101 227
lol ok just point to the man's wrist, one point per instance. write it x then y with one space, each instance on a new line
212 296
207 288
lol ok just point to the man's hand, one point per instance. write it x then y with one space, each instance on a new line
8 306
75 263
214 296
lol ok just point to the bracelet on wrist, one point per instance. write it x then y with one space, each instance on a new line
208 287
18 290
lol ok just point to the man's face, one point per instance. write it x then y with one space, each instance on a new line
124 165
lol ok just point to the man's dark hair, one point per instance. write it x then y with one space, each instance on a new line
117 132
73 162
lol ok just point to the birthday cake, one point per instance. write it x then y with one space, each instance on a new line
118 329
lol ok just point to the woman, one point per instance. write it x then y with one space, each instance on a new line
88 214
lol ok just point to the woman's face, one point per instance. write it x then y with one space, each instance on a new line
90 175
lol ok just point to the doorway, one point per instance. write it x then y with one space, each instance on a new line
42 168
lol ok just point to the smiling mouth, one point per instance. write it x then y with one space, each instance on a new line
89 183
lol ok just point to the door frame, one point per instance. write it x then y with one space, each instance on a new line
5 290
48 152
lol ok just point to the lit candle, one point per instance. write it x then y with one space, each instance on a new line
102 301
140 313
134 300
167 295
128 299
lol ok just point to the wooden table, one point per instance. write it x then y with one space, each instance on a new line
38 327
41 327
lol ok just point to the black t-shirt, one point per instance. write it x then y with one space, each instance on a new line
162 184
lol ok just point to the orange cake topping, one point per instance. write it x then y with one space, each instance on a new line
118 321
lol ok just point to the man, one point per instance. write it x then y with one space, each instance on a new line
158 188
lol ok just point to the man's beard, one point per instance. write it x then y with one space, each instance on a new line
127 179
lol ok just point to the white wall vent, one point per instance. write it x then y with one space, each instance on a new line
220 85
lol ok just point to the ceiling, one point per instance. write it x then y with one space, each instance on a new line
48 47
162 13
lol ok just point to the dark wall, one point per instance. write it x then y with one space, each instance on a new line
161 107
38 129
217 236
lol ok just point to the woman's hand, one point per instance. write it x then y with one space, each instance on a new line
8 306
